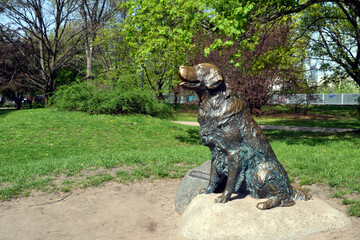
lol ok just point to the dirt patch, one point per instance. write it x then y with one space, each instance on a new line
352 231
140 210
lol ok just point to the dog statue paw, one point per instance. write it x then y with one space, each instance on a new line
221 199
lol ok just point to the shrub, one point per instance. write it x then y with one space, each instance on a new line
114 99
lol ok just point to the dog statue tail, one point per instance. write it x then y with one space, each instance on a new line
300 194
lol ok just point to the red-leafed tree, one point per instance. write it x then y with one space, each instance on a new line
260 68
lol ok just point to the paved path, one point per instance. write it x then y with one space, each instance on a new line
290 128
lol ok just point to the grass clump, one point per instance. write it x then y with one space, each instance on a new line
115 99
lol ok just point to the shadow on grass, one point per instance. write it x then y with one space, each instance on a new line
309 138
6 111
192 137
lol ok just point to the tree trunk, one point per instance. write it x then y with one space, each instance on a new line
18 100
159 85
2 100
47 95
89 56
160 97
30 103
176 94
88 37
353 74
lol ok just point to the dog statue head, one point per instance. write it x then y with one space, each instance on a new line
200 77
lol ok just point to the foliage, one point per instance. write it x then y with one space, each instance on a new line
15 67
151 38
160 35
231 19
333 27
67 75
270 63
334 39
94 16
51 37
108 99
338 83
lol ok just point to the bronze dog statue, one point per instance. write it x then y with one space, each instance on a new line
241 154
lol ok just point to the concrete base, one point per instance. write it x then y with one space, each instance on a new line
240 219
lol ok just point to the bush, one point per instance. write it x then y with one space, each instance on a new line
115 99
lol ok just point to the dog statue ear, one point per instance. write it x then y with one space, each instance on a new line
214 79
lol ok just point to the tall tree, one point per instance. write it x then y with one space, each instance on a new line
14 67
94 15
268 65
52 36
160 33
334 38
335 24
163 31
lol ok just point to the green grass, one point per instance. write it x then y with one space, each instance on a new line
186 116
332 159
39 147
36 145
339 117
342 123
338 110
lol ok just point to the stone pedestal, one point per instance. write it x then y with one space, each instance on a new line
193 181
240 219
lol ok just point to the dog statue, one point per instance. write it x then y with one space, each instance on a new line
241 154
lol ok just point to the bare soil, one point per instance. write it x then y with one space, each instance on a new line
140 210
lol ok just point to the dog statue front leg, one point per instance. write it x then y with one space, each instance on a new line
233 172
213 182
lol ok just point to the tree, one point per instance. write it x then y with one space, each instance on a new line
48 28
94 15
160 33
270 63
336 23
335 28
14 67
335 38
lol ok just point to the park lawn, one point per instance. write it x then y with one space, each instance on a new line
334 116
338 110
318 116
186 116
349 122
39 147
323 158
333 123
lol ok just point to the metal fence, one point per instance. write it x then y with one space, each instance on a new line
317 99
181 99
313 99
